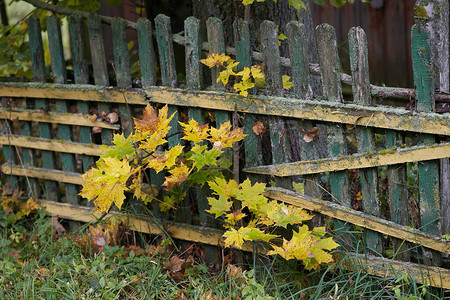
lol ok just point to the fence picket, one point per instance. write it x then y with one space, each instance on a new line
100 69
60 76
45 131
216 42
428 170
332 91
81 73
274 87
359 64
122 69
146 52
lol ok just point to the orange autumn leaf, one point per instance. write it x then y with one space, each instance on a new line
179 175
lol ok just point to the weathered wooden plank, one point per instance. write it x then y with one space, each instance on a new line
55 118
36 48
383 267
357 161
252 143
194 77
101 77
379 116
43 173
168 69
39 75
185 232
241 33
428 171
274 86
193 48
296 34
50 144
398 195
122 68
146 52
359 65
302 150
216 42
165 47
97 46
58 62
81 72
332 92
60 76
359 218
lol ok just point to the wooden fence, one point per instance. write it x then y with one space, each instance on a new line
382 169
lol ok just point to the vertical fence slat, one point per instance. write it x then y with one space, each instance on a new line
398 196
37 56
122 68
60 76
168 70
38 65
194 82
253 145
99 66
429 200
146 52
216 42
274 87
332 91
81 72
359 65
194 78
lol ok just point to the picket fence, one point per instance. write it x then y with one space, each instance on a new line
49 136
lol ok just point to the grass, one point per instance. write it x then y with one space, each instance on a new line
39 261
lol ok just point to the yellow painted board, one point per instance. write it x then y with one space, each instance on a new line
69 119
383 267
179 231
381 117
357 161
55 175
359 218
50 145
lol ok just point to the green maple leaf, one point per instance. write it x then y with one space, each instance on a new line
207 158
297 4
122 147
251 196
256 234
219 206
221 187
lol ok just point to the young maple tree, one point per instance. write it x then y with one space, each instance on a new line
122 166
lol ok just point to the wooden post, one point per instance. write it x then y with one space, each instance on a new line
359 64
37 56
274 87
332 92
252 142
99 66
122 69
430 213
194 69
146 52
436 21
81 72
60 76
216 42
168 70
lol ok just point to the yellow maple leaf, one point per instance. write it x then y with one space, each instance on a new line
233 238
166 160
286 83
179 175
106 184
152 123
318 255
225 135
244 73
257 72
243 86
30 206
228 189
194 132
233 218
215 60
